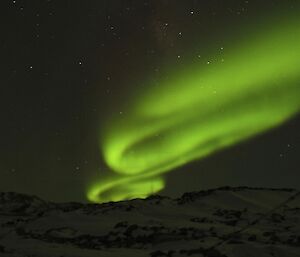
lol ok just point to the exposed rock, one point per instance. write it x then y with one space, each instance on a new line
223 222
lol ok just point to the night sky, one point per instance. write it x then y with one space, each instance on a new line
67 67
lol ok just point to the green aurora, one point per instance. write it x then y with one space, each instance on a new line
201 110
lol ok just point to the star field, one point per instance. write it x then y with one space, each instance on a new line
69 67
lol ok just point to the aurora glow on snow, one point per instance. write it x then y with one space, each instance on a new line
201 110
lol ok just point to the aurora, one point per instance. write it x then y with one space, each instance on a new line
200 110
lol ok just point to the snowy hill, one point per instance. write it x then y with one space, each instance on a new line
232 222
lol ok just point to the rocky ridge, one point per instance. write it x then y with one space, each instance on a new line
222 222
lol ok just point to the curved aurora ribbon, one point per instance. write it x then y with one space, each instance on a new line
202 110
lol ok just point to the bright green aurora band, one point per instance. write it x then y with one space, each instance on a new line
201 110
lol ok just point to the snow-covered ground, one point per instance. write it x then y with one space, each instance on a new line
237 222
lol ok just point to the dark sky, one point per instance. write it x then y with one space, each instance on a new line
68 65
